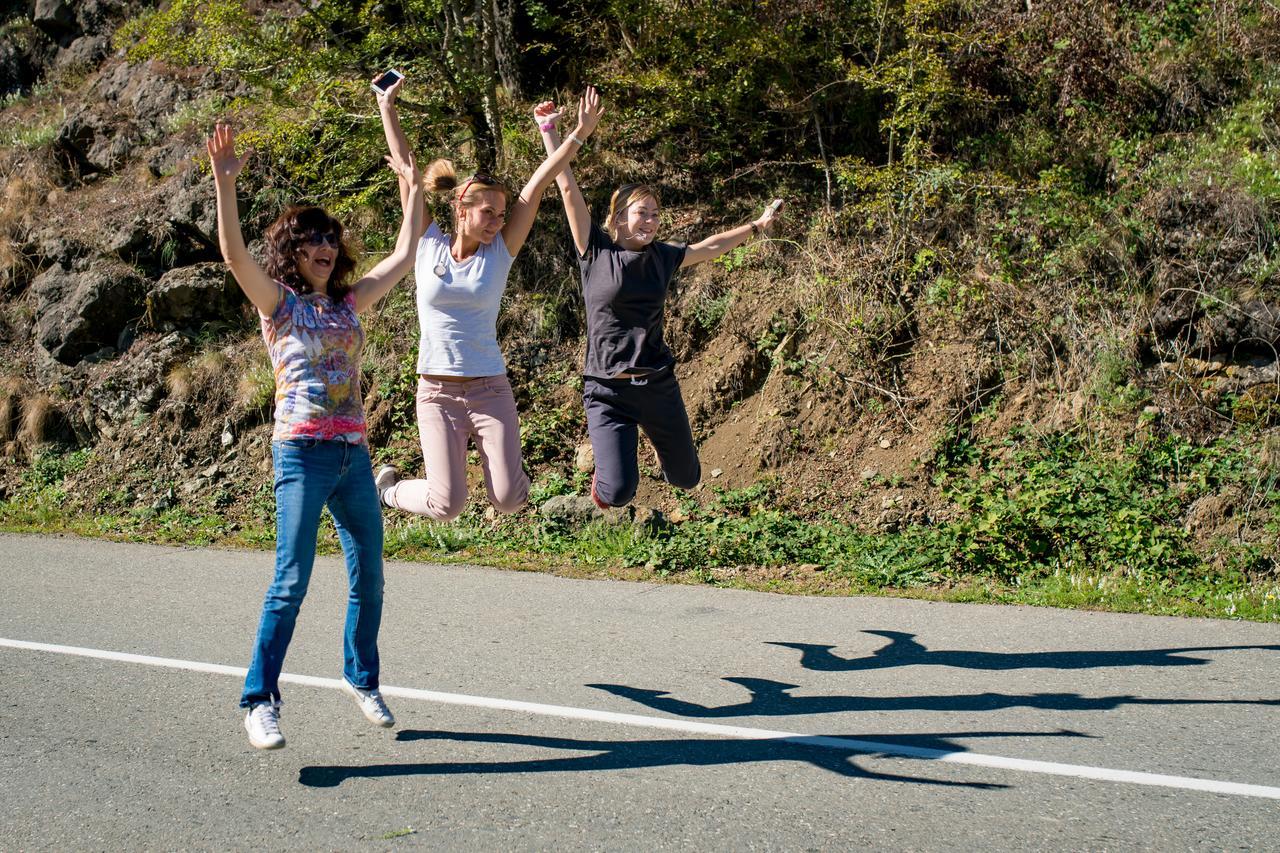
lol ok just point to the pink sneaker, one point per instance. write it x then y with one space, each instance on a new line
595 497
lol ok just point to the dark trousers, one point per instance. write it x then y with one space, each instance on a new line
616 409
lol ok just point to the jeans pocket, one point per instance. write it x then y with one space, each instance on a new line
499 386
428 391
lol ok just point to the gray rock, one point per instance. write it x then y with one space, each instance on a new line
113 149
85 52
134 242
78 135
573 510
112 85
78 313
53 247
189 296
57 18
577 510
192 207
141 92
192 486
99 15
25 53
650 520
132 386
1239 329
890 520
153 98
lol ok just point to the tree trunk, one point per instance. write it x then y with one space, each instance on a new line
504 47
487 63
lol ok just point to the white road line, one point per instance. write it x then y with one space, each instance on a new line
692 727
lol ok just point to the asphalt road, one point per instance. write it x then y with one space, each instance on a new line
110 754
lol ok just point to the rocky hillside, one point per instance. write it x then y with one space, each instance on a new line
1055 340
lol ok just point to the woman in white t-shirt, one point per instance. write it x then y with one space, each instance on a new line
463 392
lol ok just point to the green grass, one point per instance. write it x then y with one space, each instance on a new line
1053 520
608 551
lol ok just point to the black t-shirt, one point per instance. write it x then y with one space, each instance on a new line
625 293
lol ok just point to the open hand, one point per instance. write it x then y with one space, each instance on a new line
590 108
545 112
222 153
406 169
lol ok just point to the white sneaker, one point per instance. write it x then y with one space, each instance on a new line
371 704
387 477
263 725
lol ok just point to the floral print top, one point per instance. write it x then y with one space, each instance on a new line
315 347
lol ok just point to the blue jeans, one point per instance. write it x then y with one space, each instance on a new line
310 473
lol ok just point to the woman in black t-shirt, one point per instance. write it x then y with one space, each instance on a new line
628 379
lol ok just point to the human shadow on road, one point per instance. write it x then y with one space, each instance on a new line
773 699
904 649
630 754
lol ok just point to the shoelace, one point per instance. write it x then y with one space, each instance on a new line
374 698
268 717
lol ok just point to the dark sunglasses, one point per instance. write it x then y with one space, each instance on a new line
315 238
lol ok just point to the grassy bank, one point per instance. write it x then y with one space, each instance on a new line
1056 520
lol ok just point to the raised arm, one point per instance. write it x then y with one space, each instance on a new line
384 275
520 217
717 244
575 204
253 280
398 146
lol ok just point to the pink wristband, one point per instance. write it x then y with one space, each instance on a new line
548 127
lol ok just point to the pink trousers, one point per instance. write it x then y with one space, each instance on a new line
450 413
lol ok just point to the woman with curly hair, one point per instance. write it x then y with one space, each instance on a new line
308 308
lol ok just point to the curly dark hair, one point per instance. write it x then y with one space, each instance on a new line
289 232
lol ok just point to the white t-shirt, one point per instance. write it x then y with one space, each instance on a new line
458 306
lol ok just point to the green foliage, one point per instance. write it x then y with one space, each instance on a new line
1059 502
1113 384
31 136
961 155
916 77
197 115
257 386
548 486
699 69
401 386
546 434
709 310
50 467
311 118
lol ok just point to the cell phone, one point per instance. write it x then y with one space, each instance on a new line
777 203
386 81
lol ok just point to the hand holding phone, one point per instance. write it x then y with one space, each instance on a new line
383 84
765 222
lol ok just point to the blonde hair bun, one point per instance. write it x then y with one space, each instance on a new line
440 176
